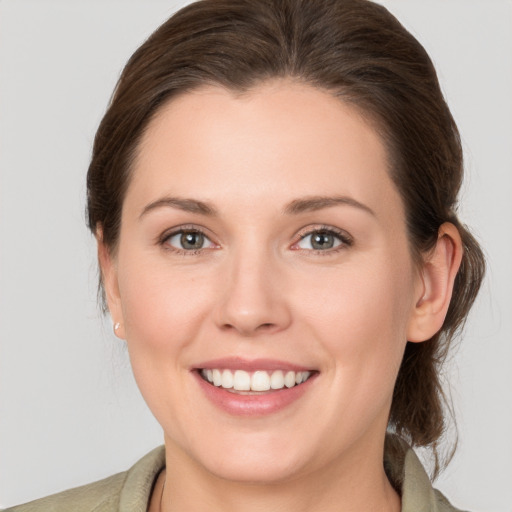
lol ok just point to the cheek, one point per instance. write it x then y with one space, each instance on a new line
163 311
361 317
162 308
368 299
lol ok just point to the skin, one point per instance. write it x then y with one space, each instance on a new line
258 290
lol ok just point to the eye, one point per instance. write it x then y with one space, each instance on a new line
323 240
188 240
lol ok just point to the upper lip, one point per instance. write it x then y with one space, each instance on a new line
250 365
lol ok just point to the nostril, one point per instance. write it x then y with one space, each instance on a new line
248 330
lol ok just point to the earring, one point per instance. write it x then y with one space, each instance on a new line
116 327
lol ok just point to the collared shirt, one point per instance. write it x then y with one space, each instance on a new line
130 491
409 478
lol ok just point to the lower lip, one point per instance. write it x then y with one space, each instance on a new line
252 405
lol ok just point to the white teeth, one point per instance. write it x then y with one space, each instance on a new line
241 381
289 379
260 380
216 377
277 380
227 379
301 377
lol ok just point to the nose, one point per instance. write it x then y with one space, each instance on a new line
253 299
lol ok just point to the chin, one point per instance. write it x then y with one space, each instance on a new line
257 458
254 470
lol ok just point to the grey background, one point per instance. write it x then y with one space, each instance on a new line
69 410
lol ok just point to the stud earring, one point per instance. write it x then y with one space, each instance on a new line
116 327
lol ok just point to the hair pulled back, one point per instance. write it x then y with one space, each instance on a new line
359 52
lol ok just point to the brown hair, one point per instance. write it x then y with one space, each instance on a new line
359 52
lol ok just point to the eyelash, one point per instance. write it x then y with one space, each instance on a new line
166 236
345 239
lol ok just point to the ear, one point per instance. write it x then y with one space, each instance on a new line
437 277
108 271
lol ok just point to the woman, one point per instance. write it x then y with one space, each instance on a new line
273 192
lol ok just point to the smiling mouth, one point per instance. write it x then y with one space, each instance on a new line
241 381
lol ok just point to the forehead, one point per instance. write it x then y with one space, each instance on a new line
279 138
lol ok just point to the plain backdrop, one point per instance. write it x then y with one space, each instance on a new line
69 410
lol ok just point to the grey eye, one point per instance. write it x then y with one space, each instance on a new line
192 240
320 241
189 241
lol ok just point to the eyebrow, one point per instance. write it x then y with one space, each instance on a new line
187 205
295 207
313 203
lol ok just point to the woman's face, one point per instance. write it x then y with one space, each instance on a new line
262 242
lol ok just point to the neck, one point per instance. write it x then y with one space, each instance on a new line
356 482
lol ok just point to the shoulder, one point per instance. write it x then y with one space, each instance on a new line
125 491
408 476
98 496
